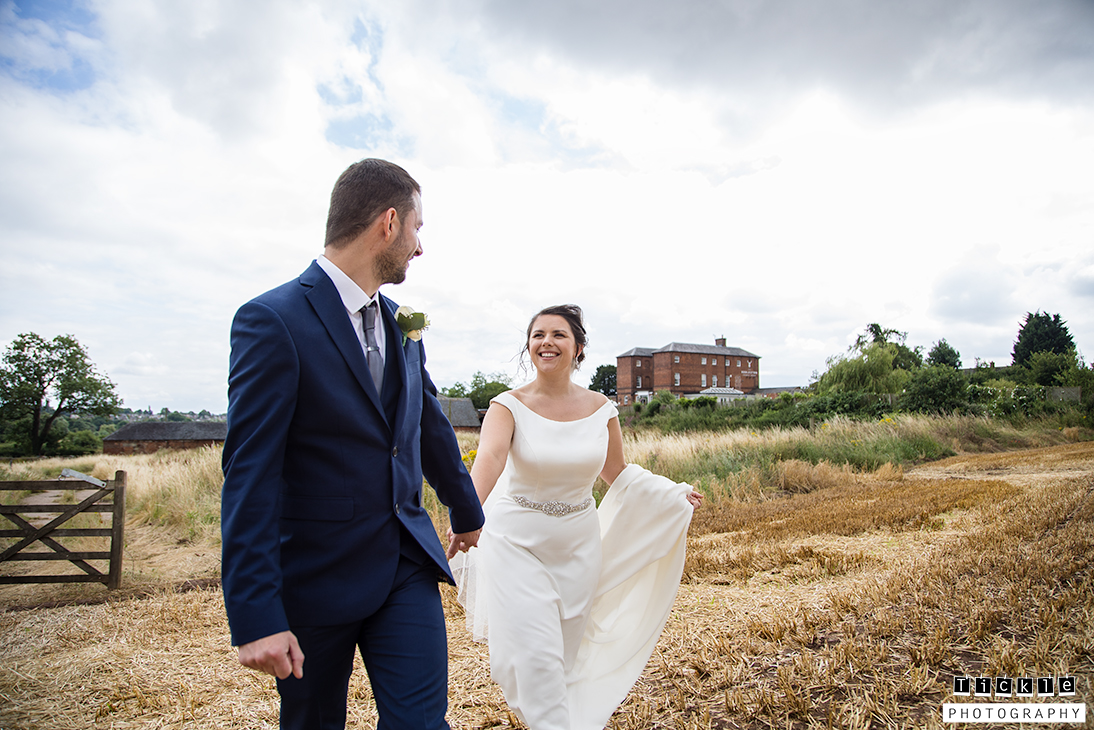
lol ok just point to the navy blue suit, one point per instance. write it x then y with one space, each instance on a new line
321 507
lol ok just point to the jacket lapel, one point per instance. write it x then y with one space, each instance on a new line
328 306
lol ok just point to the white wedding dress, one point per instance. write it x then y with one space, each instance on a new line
572 604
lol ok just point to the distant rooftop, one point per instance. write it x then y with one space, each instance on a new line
690 348
721 391
171 431
461 412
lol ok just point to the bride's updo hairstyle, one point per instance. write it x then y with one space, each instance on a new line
574 317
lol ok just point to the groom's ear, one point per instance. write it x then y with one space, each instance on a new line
388 221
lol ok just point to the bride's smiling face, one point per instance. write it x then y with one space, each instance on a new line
551 344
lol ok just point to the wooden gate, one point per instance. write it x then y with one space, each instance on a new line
106 497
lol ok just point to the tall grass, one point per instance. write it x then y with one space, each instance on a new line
181 489
174 489
747 462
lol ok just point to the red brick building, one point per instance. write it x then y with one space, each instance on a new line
684 369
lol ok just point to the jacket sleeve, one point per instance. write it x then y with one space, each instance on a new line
442 465
262 390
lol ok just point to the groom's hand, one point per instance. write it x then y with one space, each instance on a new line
276 654
462 542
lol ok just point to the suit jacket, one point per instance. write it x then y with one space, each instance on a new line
321 485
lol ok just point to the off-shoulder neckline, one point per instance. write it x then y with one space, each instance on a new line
528 408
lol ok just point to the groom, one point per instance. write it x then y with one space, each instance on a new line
332 422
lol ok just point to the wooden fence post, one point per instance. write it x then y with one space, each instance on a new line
117 532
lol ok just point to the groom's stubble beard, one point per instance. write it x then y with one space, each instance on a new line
390 265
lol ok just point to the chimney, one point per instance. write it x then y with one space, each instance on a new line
720 341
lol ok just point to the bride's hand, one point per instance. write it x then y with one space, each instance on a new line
462 542
696 500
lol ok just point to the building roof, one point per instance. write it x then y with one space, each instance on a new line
171 431
707 349
690 348
461 412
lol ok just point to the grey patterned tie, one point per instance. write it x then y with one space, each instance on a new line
372 350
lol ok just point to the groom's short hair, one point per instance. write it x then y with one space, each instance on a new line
365 190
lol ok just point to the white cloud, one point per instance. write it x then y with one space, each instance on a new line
745 173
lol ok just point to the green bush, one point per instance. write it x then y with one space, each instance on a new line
79 443
936 389
1050 368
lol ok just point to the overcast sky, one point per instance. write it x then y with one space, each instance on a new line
780 173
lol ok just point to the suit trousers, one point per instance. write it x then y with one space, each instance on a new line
404 648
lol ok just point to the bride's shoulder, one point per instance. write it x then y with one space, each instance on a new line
504 398
593 399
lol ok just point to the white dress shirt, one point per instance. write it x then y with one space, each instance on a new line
354 299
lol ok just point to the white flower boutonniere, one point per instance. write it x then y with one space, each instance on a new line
411 323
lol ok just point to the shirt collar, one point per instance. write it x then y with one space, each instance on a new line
353 297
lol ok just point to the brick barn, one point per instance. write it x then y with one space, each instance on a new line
685 369
147 437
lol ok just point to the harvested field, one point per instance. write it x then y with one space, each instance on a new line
849 600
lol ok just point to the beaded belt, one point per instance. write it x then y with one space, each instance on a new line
553 508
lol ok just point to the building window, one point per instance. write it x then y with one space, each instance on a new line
639 364
715 381
703 379
676 378
639 381
676 358
703 361
738 363
714 361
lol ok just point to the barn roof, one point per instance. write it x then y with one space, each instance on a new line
171 431
461 412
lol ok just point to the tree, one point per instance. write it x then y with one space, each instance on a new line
1078 374
78 443
459 390
484 387
36 372
1050 368
935 389
604 380
1041 332
875 334
944 354
871 371
904 357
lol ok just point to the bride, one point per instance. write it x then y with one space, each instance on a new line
571 597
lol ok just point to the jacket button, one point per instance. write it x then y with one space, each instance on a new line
395 451
396 508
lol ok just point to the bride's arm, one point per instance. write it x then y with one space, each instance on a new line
494 439
614 463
